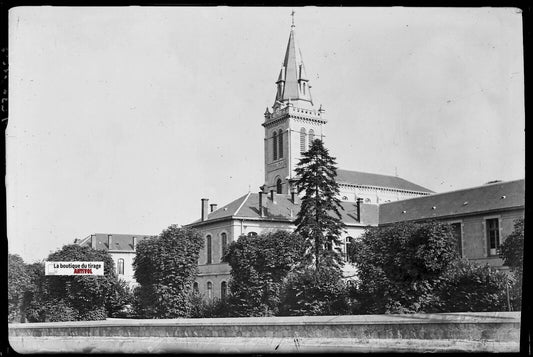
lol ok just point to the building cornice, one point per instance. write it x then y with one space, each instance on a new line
459 215
385 188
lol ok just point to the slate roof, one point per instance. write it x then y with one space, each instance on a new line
377 180
489 197
122 242
247 206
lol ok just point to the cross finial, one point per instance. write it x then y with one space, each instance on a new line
292 14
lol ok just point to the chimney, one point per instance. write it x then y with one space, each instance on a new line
213 207
293 197
205 208
359 201
134 239
272 196
93 241
109 241
261 206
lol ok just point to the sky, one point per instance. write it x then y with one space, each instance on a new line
121 119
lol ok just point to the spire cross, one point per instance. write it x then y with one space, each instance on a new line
292 14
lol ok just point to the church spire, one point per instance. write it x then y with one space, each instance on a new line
292 80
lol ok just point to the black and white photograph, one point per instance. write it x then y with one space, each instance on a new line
219 179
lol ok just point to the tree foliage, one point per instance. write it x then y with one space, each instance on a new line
512 249
86 294
18 281
307 292
319 219
471 287
512 253
258 266
400 266
166 267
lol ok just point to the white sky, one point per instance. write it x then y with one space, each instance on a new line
121 119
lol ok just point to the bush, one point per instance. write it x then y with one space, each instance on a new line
118 298
308 292
471 287
53 310
207 308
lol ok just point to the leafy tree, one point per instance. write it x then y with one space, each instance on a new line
400 266
166 267
85 294
258 266
512 253
319 219
471 287
18 281
306 292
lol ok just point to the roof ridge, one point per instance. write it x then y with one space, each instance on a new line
242 203
458 190
366 172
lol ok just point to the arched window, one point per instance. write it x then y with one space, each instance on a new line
280 141
252 234
278 186
208 248
304 88
195 287
120 266
223 290
311 137
209 290
275 145
302 140
224 239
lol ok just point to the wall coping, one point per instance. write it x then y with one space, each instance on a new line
388 319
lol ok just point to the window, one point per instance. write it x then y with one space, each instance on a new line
208 247
278 186
456 231
224 240
493 235
223 290
209 290
302 140
349 241
304 88
275 145
311 137
195 287
280 142
120 267
252 234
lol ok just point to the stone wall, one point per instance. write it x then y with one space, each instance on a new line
489 331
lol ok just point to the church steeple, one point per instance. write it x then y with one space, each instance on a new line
293 83
292 124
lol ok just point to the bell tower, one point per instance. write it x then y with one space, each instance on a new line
292 124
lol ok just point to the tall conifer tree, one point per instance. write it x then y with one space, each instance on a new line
319 219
